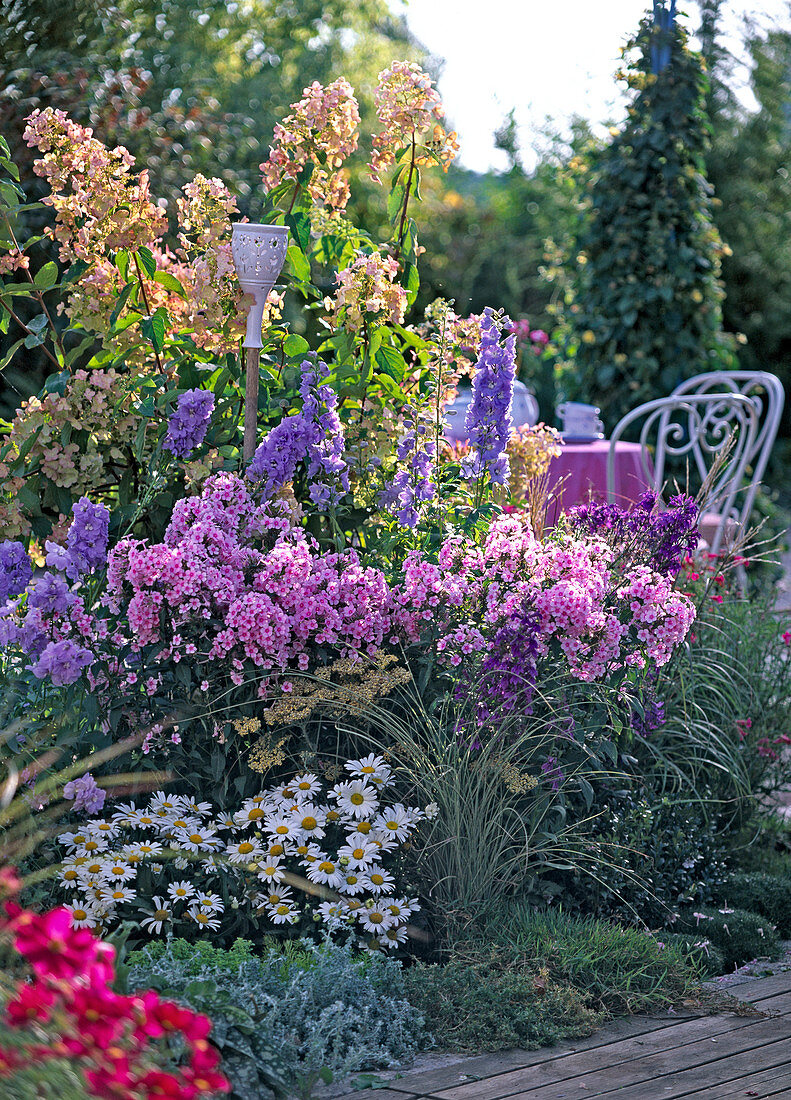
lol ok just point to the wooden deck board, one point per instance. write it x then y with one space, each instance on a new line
692 1057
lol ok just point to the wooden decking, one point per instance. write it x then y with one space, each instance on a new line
641 1058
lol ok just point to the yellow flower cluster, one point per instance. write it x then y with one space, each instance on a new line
530 451
517 781
347 686
266 754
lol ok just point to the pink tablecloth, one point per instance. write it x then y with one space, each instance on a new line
580 473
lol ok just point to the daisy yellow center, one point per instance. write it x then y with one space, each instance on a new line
179 824
309 823
181 892
94 868
327 867
146 849
282 830
79 914
255 813
364 827
196 838
357 799
277 850
146 821
358 853
70 875
80 839
392 825
352 879
201 917
245 847
282 910
206 901
162 914
375 918
368 770
287 792
303 786
377 880
117 870
117 894
91 845
333 815
270 870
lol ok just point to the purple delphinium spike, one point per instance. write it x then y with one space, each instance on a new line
488 422
189 422
87 794
86 543
15 569
666 535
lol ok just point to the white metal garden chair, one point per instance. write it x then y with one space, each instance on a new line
766 391
712 434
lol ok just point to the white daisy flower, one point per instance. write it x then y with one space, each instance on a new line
192 806
305 785
356 798
332 913
181 863
382 842
125 813
116 895
372 768
361 831
181 891
250 814
161 914
278 826
82 841
142 819
311 855
178 821
92 868
353 883
203 918
148 848
83 915
378 881
269 870
358 855
401 908
118 871
200 839
393 936
284 913
375 919
274 895
286 792
244 851
69 874
225 821
278 849
170 803
397 821
212 903
99 827
310 821
327 872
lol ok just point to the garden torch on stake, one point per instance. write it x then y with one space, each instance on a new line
258 255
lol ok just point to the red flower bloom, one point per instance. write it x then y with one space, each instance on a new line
32 1002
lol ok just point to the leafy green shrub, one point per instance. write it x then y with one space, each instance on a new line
700 953
619 969
766 894
739 934
286 1018
663 854
486 998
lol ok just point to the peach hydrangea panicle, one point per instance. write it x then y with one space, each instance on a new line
367 291
323 128
408 107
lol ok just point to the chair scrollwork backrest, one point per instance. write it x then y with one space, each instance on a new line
711 433
768 395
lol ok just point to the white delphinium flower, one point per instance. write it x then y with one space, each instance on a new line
161 914
244 851
327 872
357 798
181 891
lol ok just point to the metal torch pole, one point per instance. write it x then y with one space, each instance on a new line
252 359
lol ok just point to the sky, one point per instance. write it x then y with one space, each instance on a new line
546 58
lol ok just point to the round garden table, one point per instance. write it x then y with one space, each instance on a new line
579 474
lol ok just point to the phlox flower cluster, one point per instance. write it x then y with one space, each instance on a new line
367 292
189 422
112 1038
316 434
660 537
324 125
488 421
338 836
412 484
408 107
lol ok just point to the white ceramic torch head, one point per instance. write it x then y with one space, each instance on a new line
259 252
